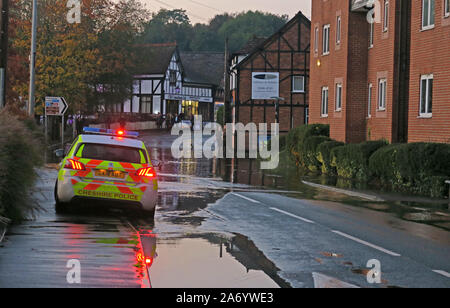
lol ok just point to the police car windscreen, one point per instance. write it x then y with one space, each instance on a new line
112 153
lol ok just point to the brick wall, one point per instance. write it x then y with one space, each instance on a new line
430 54
288 62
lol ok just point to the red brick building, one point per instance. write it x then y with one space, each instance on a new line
285 57
366 76
429 119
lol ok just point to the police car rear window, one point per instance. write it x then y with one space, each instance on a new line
111 153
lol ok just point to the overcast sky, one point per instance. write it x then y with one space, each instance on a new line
203 10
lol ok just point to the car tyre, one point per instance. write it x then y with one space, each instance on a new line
60 207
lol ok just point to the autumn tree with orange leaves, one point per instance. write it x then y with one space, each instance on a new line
73 59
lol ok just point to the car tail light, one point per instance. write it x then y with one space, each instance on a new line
74 165
147 172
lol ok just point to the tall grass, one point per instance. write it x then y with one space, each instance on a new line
20 152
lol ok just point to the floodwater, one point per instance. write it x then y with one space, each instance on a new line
206 175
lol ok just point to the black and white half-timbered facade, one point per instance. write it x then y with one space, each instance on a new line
164 86
269 77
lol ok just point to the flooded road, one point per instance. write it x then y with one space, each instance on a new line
226 223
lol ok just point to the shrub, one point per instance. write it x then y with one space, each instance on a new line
297 137
352 160
309 154
415 167
19 154
324 156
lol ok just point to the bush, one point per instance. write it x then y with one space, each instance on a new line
220 114
415 167
296 138
352 160
19 154
309 153
324 155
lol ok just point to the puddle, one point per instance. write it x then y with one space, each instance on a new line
198 263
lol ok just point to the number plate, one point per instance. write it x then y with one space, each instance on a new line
110 174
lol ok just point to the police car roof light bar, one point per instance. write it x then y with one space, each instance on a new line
110 132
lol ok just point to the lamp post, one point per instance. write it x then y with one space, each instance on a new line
4 10
32 60
277 107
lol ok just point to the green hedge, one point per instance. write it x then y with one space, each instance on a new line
323 155
352 160
296 138
309 153
20 152
420 168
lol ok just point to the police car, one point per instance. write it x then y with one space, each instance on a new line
107 165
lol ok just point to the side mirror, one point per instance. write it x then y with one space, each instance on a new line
156 163
59 153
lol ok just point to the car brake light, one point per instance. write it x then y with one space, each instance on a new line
74 165
148 172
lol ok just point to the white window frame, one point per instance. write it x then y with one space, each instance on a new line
316 40
294 90
338 98
326 40
382 94
446 8
386 16
369 101
431 13
338 30
324 102
428 113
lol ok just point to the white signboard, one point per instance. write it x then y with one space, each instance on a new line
265 85
56 106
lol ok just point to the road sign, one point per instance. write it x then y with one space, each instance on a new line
55 106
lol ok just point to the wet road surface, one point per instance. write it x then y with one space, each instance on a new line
225 223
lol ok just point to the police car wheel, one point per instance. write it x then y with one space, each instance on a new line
60 207
148 214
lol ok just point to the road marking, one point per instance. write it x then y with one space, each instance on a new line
292 215
366 243
246 198
443 273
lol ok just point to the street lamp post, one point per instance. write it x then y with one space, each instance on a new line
32 60
4 9
277 107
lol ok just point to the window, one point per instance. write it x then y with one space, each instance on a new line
111 153
324 110
382 86
173 78
326 39
369 101
371 34
338 30
427 14
386 16
338 97
316 40
426 95
146 104
446 8
298 84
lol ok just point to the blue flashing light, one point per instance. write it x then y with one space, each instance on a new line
110 132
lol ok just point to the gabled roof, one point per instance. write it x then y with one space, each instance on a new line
155 57
251 45
203 67
299 17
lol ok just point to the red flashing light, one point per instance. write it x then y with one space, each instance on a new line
147 172
120 132
74 165
148 261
